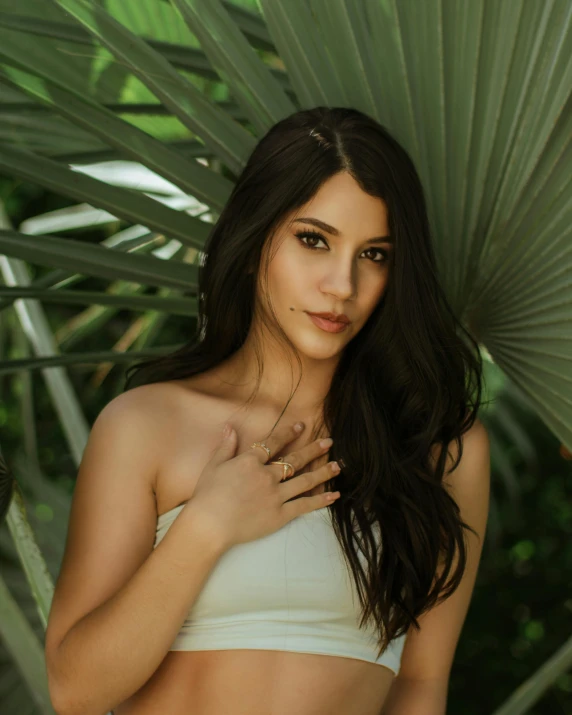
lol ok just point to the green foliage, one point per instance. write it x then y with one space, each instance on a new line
183 90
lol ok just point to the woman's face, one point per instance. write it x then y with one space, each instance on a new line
337 268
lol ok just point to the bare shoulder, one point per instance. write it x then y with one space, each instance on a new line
136 413
155 410
469 482
475 441
145 401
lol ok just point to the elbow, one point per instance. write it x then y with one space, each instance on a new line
55 689
57 701
65 702
58 697
58 687
66 689
63 705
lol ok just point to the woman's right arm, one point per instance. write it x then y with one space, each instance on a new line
110 653
118 603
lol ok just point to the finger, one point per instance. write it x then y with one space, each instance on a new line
299 458
275 442
319 461
313 466
305 505
304 482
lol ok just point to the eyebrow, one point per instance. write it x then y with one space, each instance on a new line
334 231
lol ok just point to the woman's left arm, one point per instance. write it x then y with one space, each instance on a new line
421 686
416 697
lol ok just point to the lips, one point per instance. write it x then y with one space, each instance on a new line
329 326
334 317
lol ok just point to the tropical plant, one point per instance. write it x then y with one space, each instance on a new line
145 111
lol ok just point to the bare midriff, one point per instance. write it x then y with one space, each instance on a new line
260 682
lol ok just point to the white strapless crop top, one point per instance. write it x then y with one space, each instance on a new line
290 591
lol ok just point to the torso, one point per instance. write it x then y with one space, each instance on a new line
242 682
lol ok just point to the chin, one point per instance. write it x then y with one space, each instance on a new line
318 349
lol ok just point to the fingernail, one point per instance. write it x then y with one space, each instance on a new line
299 426
327 442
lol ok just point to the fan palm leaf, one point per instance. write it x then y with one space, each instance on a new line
478 92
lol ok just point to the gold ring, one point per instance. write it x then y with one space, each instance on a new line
288 470
261 444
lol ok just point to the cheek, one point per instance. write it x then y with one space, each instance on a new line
289 257
380 287
288 273
372 292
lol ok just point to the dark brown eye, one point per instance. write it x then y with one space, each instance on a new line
311 235
384 254
314 235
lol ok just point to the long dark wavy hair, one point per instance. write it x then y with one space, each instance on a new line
408 382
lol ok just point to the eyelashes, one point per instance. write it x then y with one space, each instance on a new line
315 234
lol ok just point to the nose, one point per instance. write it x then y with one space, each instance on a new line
341 280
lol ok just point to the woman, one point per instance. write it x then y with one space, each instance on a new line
207 575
